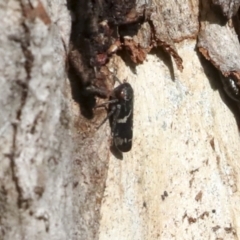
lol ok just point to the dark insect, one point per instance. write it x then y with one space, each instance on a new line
231 88
120 115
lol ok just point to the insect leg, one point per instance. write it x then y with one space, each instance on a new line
117 79
105 103
107 117
97 91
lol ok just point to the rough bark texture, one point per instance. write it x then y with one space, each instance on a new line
181 179
228 7
35 125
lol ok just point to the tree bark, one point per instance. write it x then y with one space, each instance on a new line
59 179
35 121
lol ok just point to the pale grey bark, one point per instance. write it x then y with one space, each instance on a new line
58 178
35 123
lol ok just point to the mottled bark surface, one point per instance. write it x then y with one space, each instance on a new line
59 179
35 123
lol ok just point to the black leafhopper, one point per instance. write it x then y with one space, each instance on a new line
231 87
120 115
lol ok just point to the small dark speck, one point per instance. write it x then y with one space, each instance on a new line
77 161
144 204
195 170
38 190
204 214
212 144
165 194
228 229
199 196
191 220
213 211
215 228
75 184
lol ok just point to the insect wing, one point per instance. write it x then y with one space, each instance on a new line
123 132
122 120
